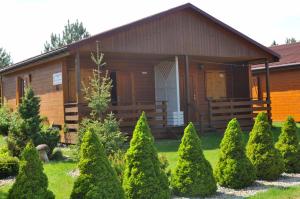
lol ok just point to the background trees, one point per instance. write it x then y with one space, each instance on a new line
5 58
72 32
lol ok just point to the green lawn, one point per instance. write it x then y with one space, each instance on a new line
61 183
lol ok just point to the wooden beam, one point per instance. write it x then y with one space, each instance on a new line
187 88
177 83
77 76
268 97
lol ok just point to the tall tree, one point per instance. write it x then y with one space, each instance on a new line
5 58
274 43
290 40
71 33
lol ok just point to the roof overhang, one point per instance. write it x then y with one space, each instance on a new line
289 66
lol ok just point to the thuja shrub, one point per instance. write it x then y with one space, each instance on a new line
9 166
288 146
261 151
5 115
97 178
31 182
234 169
144 176
193 175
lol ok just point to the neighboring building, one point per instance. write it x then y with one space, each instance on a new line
284 82
179 65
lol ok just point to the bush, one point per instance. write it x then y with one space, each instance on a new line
50 136
4 120
31 182
234 169
9 166
143 176
26 124
261 151
97 178
107 131
288 146
117 161
193 175
57 155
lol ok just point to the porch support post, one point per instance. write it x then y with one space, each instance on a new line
268 98
187 88
77 75
177 84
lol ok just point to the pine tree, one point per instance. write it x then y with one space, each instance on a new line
26 123
29 111
261 151
143 176
234 169
31 182
288 146
193 175
5 58
97 178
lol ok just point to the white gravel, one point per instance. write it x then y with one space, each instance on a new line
286 180
6 181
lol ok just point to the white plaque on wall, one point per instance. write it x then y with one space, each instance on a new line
57 78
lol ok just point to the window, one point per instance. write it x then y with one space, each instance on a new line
22 83
215 84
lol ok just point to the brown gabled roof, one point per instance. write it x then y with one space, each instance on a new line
77 44
290 56
276 56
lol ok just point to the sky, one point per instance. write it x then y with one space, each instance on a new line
27 24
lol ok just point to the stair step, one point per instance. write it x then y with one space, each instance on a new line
71 118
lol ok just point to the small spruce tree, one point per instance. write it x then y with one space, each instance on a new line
261 151
193 175
31 182
234 169
97 178
143 176
288 146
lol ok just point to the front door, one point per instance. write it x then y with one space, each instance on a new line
124 88
216 84
71 86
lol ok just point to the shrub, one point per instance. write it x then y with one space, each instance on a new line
234 169
117 161
143 176
107 131
31 182
97 178
9 166
261 151
26 124
57 155
50 136
4 120
288 146
193 175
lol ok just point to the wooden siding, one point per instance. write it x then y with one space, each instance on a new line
285 93
181 33
42 84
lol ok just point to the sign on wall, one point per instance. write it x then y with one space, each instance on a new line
57 78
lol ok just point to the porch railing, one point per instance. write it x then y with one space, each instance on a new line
245 110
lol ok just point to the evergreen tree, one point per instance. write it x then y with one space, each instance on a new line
234 169
29 111
72 32
143 176
97 178
290 40
261 151
288 146
193 175
5 58
26 123
31 182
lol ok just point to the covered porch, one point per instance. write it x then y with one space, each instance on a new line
172 90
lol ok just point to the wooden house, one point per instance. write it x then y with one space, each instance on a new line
180 65
284 82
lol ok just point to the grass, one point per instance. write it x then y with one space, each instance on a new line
279 193
2 141
61 183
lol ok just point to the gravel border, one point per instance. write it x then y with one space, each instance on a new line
6 181
285 180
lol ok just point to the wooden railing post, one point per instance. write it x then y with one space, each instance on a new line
164 110
268 98
209 113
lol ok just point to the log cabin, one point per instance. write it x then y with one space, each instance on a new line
284 82
181 65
